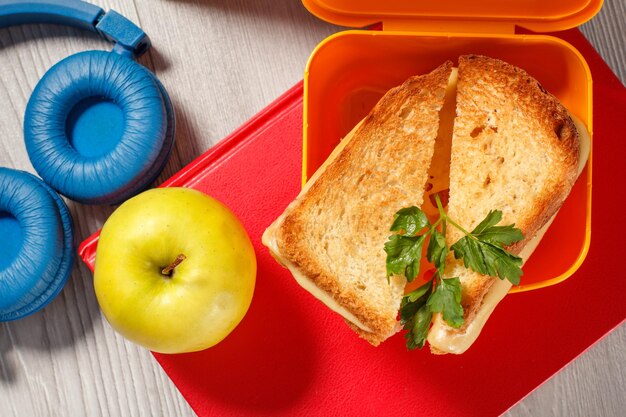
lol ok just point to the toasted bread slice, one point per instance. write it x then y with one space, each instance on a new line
332 236
514 148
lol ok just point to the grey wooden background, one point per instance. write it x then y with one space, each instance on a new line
221 61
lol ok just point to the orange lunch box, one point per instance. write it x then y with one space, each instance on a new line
349 71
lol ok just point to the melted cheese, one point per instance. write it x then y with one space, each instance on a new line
447 339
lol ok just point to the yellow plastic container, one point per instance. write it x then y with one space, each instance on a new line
349 71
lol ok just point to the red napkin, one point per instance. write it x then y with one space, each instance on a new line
292 356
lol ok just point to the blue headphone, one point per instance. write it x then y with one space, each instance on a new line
98 128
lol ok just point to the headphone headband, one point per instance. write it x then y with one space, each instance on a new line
128 37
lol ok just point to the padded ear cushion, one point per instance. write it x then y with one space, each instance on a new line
137 151
168 144
67 255
43 262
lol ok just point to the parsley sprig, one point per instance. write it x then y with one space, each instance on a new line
482 250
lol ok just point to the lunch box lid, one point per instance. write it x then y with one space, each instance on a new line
492 16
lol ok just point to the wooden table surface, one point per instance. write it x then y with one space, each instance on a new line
221 61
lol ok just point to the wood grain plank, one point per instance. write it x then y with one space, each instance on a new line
607 32
66 360
221 61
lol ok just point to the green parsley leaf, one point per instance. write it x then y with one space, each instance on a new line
403 255
446 299
493 217
414 300
437 251
418 328
487 231
410 220
482 250
415 315
488 259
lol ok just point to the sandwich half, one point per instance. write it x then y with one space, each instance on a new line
331 237
515 148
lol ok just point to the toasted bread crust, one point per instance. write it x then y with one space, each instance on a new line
516 149
334 232
374 339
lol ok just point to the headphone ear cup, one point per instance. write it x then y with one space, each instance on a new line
98 127
37 271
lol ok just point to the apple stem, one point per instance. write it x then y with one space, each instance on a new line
168 269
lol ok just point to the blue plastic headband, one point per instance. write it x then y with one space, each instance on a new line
128 37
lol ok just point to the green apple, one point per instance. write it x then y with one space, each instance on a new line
175 270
